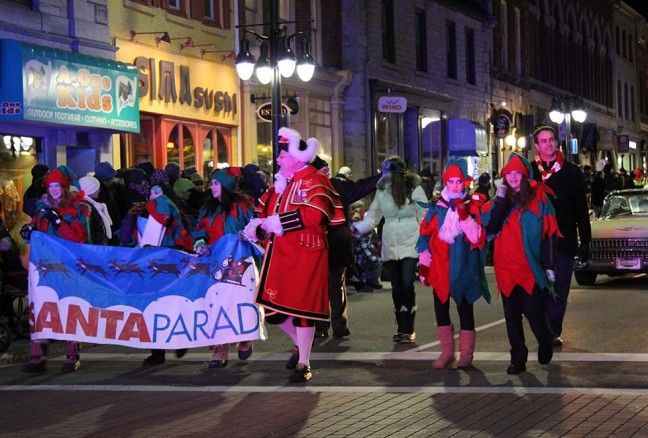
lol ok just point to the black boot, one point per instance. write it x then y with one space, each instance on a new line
399 323
409 335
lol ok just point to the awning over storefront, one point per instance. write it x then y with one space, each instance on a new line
41 84
466 138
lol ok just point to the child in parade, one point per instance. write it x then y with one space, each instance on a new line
368 263
451 262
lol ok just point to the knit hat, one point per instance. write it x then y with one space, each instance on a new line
159 177
134 176
425 172
197 179
190 170
227 177
173 170
89 184
182 185
104 171
147 167
457 168
39 171
291 142
483 180
344 170
517 162
393 164
56 176
318 163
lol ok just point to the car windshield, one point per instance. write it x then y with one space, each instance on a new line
625 204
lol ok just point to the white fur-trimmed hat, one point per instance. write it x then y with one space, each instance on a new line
291 141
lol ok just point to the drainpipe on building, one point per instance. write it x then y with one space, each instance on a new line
337 105
74 44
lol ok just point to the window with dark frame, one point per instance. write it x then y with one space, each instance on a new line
387 27
176 5
421 41
209 10
451 49
632 103
470 56
626 102
619 99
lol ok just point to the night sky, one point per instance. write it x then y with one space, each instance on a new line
640 6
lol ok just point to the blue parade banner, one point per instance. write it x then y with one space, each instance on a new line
152 297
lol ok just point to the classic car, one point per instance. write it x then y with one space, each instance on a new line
619 238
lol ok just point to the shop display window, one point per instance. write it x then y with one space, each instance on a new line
17 156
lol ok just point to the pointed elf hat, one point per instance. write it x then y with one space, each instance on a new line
517 162
457 168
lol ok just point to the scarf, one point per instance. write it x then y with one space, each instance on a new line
450 228
103 212
557 165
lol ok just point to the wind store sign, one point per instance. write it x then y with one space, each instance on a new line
392 104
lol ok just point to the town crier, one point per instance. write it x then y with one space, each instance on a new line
291 221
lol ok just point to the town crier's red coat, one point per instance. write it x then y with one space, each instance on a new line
294 274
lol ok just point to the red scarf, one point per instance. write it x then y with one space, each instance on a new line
557 165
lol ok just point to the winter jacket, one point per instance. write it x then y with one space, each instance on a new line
401 230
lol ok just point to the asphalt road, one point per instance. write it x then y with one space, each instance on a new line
605 353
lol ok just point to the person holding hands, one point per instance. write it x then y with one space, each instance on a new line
522 224
451 261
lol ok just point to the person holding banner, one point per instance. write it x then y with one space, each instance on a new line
225 212
64 215
292 219
164 227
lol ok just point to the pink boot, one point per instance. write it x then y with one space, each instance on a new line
36 362
446 340
466 348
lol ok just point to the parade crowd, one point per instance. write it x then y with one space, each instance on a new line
529 227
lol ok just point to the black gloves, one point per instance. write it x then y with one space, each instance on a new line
51 216
584 252
25 231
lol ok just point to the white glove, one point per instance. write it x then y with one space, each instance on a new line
250 229
551 275
272 224
501 190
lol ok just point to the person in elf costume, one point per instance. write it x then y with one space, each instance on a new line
292 219
451 261
225 212
569 199
162 210
522 223
63 214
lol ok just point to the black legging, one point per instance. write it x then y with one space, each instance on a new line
465 311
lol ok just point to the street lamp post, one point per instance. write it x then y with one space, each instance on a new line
281 62
564 109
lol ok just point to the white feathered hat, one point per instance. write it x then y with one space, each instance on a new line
291 142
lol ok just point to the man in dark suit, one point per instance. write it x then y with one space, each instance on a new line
572 213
